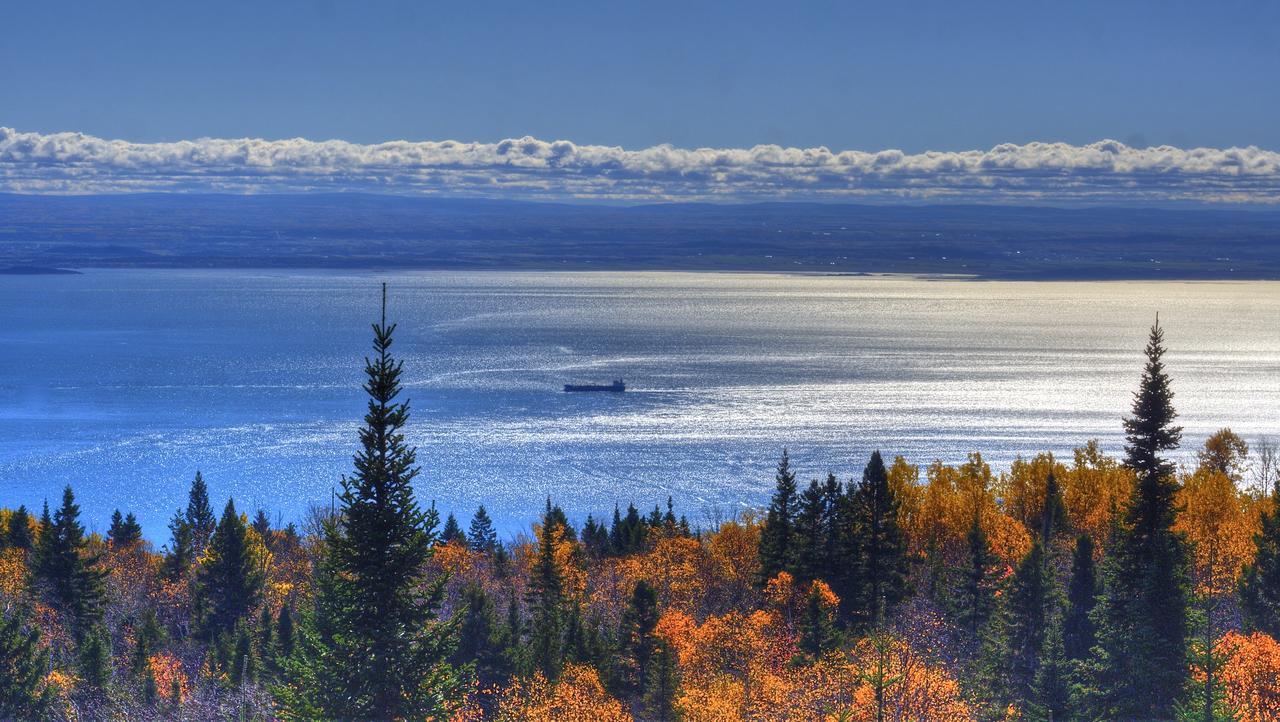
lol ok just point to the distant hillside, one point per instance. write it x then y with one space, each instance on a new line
369 231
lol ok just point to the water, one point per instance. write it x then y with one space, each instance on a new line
124 383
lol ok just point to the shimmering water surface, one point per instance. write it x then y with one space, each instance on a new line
124 383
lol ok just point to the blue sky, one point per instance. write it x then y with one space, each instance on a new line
866 76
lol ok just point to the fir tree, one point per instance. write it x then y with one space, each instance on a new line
377 648
481 638
284 633
1051 689
147 638
638 622
68 572
1142 615
23 664
124 531
452 530
19 535
482 536
95 658
199 515
976 595
811 557
243 665
1260 580
546 600
816 631
1082 594
180 553
229 581
595 538
1026 609
777 538
262 526
880 549
1053 514
661 685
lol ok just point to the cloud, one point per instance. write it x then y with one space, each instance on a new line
530 168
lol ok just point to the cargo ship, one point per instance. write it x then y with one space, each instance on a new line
616 387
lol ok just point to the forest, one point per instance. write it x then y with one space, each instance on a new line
1082 588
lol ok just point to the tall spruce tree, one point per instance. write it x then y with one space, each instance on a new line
19 535
546 599
1051 689
199 515
811 560
66 571
777 538
1053 513
662 685
1260 581
180 552
638 641
376 646
482 536
880 550
24 693
976 595
1027 607
452 530
1082 594
1142 615
124 530
230 578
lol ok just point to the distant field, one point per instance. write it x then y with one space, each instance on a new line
369 231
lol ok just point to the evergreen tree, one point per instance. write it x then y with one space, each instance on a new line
638 622
147 638
481 638
1026 609
661 685
816 631
23 663
811 558
1142 615
482 536
178 553
68 573
95 658
452 530
284 633
976 595
229 580
595 538
880 550
1051 689
1260 580
199 515
1082 594
19 535
777 538
546 600
262 527
377 648
243 665
124 530
1053 514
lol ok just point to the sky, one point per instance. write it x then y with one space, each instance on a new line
865 77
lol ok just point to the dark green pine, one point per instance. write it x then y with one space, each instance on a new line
1053 513
376 645
229 581
1027 608
545 598
880 550
816 632
777 538
124 531
1082 594
811 560
452 530
662 685
199 515
482 536
67 573
1260 581
284 633
180 552
19 534
23 664
638 622
1142 615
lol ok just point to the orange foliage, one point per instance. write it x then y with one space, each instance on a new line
1213 516
1022 489
913 688
1094 489
577 697
13 572
167 669
1251 676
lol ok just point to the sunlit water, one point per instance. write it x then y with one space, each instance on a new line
124 383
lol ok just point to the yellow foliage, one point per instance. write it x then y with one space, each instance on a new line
1095 488
13 572
1213 516
577 697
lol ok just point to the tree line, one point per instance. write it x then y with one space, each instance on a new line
1100 589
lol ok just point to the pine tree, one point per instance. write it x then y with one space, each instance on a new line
199 515
1053 514
19 535
180 554
68 573
147 638
1026 610
377 647
661 685
23 663
243 667
1260 580
284 633
1051 689
452 530
638 622
816 631
261 525
229 580
481 638
95 658
976 595
124 531
777 538
1142 615
880 549
811 558
482 536
1082 594
546 600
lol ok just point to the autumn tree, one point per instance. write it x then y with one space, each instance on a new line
1259 584
376 647
777 538
1225 453
1142 621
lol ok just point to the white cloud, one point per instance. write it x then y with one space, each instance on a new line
532 168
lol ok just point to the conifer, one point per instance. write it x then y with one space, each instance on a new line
638 622
1082 593
377 648
452 530
95 658
662 685
546 600
879 548
23 664
1260 580
19 535
816 631
230 578
69 574
976 595
1142 615
777 538
482 536
199 515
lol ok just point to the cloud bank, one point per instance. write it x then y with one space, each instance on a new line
529 168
